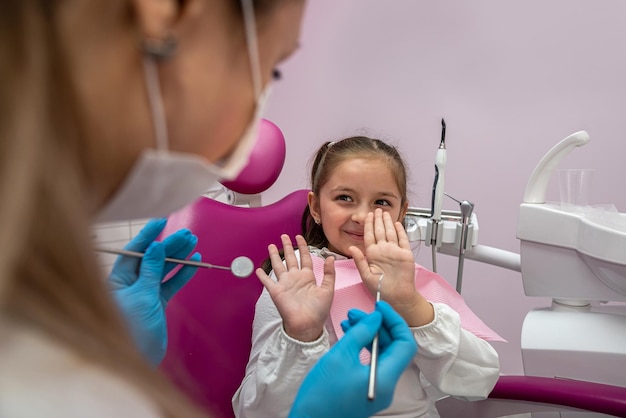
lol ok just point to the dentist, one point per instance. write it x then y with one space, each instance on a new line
119 109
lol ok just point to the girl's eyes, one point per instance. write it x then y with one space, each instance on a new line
379 202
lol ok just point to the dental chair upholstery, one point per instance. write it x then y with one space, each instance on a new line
210 319
528 394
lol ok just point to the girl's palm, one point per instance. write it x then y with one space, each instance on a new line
303 305
388 251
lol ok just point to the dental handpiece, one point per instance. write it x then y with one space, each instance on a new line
438 191
371 387
440 175
241 266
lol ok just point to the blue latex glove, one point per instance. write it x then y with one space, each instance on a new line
354 316
139 289
337 384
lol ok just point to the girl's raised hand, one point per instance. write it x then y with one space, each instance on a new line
303 305
388 251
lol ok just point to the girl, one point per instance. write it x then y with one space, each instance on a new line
357 203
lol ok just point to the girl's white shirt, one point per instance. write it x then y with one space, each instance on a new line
40 378
449 361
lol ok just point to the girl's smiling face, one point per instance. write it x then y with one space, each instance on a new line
356 187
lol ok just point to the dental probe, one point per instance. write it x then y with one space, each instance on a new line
438 188
371 388
241 266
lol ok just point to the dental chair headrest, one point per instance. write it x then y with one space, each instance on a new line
265 163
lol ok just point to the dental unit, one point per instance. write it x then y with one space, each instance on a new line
574 255
577 258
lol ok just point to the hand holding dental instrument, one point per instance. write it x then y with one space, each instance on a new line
332 373
138 286
438 190
371 388
241 266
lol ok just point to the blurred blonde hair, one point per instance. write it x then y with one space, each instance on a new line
49 278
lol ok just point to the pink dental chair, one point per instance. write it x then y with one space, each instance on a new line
210 319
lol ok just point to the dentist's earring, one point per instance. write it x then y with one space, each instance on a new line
317 221
160 49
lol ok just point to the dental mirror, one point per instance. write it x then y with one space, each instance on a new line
241 266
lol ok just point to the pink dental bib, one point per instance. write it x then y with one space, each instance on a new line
350 292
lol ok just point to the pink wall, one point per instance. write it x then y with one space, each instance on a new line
510 78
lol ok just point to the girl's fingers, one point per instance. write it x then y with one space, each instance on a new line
305 256
390 229
275 259
266 280
403 238
368 230
290 256
360 261
328 282
363 266
380 234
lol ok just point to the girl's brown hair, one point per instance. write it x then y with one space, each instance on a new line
330 155
326 159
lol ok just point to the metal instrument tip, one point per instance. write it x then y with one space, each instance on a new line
442 144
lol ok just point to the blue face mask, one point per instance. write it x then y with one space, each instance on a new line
163 181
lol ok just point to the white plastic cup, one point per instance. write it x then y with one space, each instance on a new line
574 187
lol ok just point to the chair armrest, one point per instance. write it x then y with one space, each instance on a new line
589 396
